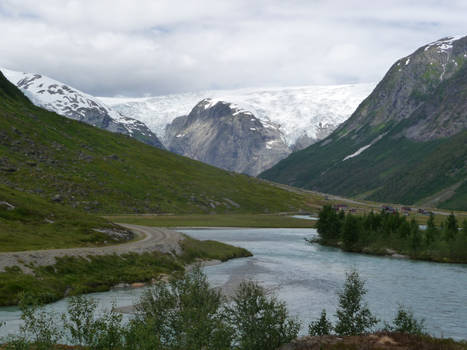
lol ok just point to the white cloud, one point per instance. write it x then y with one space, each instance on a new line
131 47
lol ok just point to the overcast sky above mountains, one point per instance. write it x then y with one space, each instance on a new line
133 48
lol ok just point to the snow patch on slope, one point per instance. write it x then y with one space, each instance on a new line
364 148
295 111
443 45
358 152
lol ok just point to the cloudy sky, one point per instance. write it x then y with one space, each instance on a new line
151 47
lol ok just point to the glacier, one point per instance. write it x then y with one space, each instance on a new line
312 111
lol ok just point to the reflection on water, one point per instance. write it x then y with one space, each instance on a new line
307 277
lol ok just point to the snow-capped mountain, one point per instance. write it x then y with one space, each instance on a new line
302 114
74 104
226 136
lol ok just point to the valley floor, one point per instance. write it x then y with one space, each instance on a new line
217 220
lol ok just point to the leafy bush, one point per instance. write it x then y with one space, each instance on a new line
405 322
321 327
39 325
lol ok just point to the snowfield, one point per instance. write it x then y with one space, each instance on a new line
296 111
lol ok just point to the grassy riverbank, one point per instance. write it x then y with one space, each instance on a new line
73 276
219 220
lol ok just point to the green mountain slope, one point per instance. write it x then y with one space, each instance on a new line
90 169
407 142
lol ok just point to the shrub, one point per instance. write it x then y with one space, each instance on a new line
39 325
320 327
405 322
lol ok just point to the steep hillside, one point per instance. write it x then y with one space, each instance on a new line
73 163
224 135
72 103
407 142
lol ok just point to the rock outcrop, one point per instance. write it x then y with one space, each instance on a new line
222 134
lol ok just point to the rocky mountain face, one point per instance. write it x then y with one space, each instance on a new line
407 142
224 135
74 104
409 86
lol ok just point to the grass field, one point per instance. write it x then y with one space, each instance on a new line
219 220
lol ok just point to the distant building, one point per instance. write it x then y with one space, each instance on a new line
341 207
388 209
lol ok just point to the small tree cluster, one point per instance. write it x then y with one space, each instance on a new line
394 231
355 318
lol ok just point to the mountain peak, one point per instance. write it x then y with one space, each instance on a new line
72 103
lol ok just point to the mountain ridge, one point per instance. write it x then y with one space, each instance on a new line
74 104
404 143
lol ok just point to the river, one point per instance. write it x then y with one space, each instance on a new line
307 277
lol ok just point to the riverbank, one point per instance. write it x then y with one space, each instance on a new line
380 249
285 220
52 275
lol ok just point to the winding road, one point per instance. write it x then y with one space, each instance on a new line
150 239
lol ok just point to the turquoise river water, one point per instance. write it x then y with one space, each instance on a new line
307 278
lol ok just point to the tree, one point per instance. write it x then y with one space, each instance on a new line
329 223
261 322
415 235
431 231
350 231
450 227
404 229
353 315
405 322
185 314
321 327
87 330
79 320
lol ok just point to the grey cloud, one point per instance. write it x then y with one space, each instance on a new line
126 47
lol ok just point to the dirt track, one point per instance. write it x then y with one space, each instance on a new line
151 239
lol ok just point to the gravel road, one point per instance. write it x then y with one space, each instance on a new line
150 239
